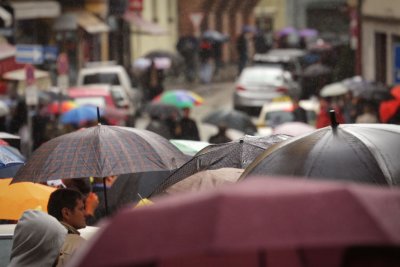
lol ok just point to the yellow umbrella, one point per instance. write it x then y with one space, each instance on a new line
18 197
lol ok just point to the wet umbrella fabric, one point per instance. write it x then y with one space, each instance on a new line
16 198
100 151
367 153
179 98
215 36
206 180
367 90
163 111
10 161
316 69
260 222
231 119
333 89
236 154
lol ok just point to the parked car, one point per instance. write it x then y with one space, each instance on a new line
7 233
291 60
280 111
258 85
113 99
114 75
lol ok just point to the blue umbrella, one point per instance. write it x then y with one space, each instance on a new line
80 114
10 161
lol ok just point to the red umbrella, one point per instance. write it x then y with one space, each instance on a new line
395 92
387 109
258 222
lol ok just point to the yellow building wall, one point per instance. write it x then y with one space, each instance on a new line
141 44
276 9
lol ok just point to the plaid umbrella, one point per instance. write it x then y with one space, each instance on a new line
236 154
100 151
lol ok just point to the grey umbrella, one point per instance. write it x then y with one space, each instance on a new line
236 154
366 153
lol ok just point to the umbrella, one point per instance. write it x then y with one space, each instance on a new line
16 198
316 69
232 119
163 111
100 151
215 36
286 31
388 110
189 147
293 128
308 32
395 92
179 98
367 153
80 115
10 161
159 62
262 222
366 89
333 89
206 180
54 107
235 154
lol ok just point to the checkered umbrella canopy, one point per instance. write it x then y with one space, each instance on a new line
100 151
236 154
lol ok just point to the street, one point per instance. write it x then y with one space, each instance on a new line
216 96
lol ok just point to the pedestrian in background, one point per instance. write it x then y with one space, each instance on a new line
153 82
187 127
37 240
187 47
220 137
206 64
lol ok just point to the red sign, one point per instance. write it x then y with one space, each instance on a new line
62 64
29 74
136 5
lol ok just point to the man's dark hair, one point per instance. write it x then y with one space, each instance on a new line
62 198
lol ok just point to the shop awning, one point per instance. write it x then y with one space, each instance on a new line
89 22
36 9
144 26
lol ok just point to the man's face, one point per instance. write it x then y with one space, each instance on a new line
76 217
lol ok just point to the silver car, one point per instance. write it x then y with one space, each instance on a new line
258 85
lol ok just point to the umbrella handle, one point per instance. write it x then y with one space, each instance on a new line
332 116
98 115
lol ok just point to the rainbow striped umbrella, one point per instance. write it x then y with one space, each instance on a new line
179 98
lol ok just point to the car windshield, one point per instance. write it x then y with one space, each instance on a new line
95 101
261 76
5 250
107 78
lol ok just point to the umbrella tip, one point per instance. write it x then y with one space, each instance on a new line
98 115
332 115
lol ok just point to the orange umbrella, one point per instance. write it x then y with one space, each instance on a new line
18 197
54 108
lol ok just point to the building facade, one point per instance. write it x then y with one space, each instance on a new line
380 40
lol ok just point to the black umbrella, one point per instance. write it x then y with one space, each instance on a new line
236 154
215 36
368 90
353 152
232 119
163 111
316 69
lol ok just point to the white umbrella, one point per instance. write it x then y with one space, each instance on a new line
333 89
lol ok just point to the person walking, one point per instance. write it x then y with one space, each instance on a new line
187 128
187 46
153 82
67 206
220 137
37 240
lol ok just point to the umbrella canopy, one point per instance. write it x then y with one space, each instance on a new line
231 119
308 32
262 222
189 147
16 198
80 115
163 111
395 92
286 31
100 151
316 69
54 107
388 110
179 98
366 153
293 128
235 154
367 90
206 180
160 63
10 161
333 89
